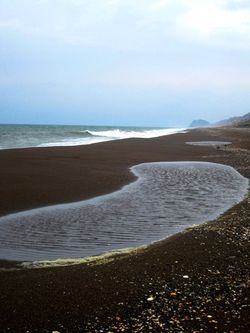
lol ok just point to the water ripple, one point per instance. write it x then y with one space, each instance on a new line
166 198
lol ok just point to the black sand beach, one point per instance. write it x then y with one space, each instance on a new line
195 281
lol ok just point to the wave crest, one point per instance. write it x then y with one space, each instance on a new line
85 133
126 134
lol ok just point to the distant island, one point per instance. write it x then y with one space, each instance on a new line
199 123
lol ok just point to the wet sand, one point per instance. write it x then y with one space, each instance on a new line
42 176
193 281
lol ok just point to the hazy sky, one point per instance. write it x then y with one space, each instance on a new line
124 62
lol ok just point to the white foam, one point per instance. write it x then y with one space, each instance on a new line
53 136
145 134
114 134
75 142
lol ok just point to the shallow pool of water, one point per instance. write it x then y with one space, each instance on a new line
167 197
209 143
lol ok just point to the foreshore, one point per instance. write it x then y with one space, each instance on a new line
195 281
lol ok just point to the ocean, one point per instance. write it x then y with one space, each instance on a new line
24 136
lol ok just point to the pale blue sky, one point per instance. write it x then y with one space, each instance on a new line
124 62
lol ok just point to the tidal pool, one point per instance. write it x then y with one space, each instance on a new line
209 143
166 198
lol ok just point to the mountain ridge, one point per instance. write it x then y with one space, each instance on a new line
241 121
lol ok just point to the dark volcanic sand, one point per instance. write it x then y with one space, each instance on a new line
195 281
36 177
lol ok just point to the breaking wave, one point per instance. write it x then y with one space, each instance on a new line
24 136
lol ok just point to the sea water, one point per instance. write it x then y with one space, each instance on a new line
22 136
166 198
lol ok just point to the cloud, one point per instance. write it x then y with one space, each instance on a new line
223 78
137 43
217 22
11 23
160 5
131 24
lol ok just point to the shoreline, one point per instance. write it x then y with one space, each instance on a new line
75 135
55 175
194 280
